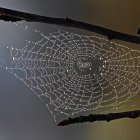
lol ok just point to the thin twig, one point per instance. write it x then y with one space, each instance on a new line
14 16
101 117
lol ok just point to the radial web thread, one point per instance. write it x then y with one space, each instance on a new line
75 73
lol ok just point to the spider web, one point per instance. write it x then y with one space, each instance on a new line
74 74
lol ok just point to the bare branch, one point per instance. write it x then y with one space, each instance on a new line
14 16
101 117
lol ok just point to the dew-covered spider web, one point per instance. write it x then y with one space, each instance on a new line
76 74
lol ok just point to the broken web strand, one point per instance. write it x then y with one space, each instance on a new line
77 73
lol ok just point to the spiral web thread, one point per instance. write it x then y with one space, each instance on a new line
75 73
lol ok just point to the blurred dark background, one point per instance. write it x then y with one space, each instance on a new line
22 115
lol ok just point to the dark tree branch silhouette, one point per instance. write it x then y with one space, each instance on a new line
101 117
14 16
